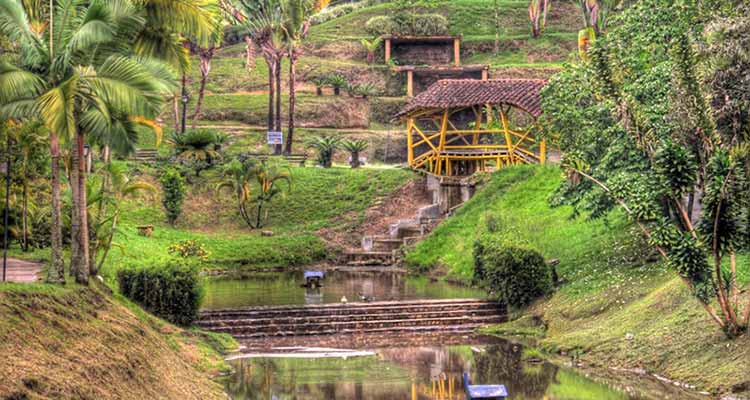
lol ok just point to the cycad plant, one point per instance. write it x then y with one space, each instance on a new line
337 82
355 148
326 146
255 185
82 80
197 147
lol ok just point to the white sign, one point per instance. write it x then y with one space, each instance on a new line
275 138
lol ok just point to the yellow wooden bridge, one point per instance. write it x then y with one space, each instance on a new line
459 127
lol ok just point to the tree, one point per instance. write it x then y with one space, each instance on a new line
646 140
240 177
173 193
296 15
79 80
538 10
205 55
264 22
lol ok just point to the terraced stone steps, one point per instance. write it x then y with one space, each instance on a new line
463 315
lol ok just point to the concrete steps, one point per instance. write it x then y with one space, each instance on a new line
462 315
146 155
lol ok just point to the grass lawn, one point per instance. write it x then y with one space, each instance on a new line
609 290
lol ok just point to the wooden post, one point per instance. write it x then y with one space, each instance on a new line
441 145
508 142
410 83
542 152
457 52
484 74
387 50
410 140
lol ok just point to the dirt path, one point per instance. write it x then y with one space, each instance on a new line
22 271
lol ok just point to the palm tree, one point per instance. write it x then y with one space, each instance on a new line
264 23
196 147
206 54
79 80
30 141
538 10
296 14
239 177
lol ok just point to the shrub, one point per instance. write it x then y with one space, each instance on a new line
429 25
381 25
170 289
326 146
519 275
189 249
408 24
173 193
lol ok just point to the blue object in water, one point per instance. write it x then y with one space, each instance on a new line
314 274
474 392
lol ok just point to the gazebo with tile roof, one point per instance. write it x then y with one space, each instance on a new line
458 127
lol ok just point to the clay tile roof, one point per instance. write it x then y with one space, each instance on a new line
458 93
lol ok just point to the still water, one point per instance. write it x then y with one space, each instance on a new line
419 371
283 288
412 367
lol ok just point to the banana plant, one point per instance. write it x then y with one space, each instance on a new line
538 11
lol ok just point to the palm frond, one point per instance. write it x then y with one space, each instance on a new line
57 107
16 83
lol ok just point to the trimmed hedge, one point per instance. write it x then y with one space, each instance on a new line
170 289
519 275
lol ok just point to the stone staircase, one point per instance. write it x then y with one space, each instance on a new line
146 155
458 315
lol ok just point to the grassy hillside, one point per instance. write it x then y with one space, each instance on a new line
610 287
78 343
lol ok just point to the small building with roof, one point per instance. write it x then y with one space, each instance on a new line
461 126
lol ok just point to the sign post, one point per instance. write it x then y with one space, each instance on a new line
275 138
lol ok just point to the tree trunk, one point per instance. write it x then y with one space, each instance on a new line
205 65
277 148
249 54
82 270
355 159
75 220
184 100
25 214
176 105
56 272
271 93
292 99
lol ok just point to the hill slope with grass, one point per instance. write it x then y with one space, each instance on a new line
80 343
613 286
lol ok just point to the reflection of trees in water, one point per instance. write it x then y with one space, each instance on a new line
502 364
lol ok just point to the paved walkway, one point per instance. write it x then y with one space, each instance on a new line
21 271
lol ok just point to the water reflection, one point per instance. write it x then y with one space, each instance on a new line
284 288
419 372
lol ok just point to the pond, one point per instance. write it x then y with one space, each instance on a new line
406 370
283 288
388 367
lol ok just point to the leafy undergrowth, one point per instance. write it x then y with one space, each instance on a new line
617 306
80 343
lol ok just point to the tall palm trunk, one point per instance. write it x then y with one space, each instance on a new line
292 98
25 215
56 272
79 264
271 93
206 55
277 148
184 100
